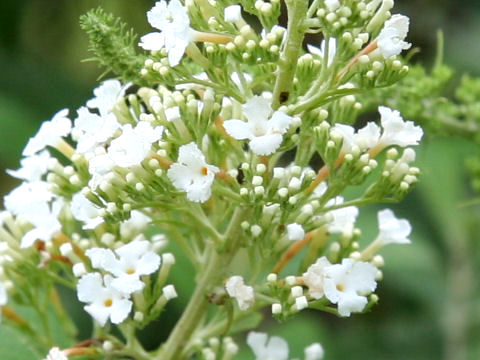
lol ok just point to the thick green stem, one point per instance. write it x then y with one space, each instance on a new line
216 264
287 64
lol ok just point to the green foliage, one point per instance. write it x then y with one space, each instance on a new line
113 45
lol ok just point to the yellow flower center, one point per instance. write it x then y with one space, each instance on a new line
108 302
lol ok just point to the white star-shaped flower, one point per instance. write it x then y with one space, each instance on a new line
396 131
134 260
192 174
390 40
50 133
264 348
173 22
237 289
104 301
345 285
134 144
263 129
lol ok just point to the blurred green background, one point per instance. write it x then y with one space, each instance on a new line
429 301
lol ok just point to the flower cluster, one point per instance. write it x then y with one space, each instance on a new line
212 150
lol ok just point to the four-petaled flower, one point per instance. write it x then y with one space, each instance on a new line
104 302
237 289
173 22
192 174
345 285
134 260
263 129
390 40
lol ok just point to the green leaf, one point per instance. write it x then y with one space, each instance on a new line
14 345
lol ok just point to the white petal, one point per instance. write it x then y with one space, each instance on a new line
89 287
257 108
265 145
98 312
152 41
280 122
120 310
238 129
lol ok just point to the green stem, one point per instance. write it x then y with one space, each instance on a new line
216 264
287 64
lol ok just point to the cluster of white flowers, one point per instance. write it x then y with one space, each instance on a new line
348 283
108 296
396 131
194 147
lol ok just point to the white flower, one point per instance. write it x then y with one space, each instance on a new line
264 131
84 210
345 283
32 167
50 133
56 354
342 218
93 130
392 230
192 174
44 218
134 260
137 223
106 96
104 301
134 144
314 277
33 202
347 133
332 50
390 40
233 13
396 131
27 196
99 166
295 232
314 352
173 22
368 136
274 349
237 289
